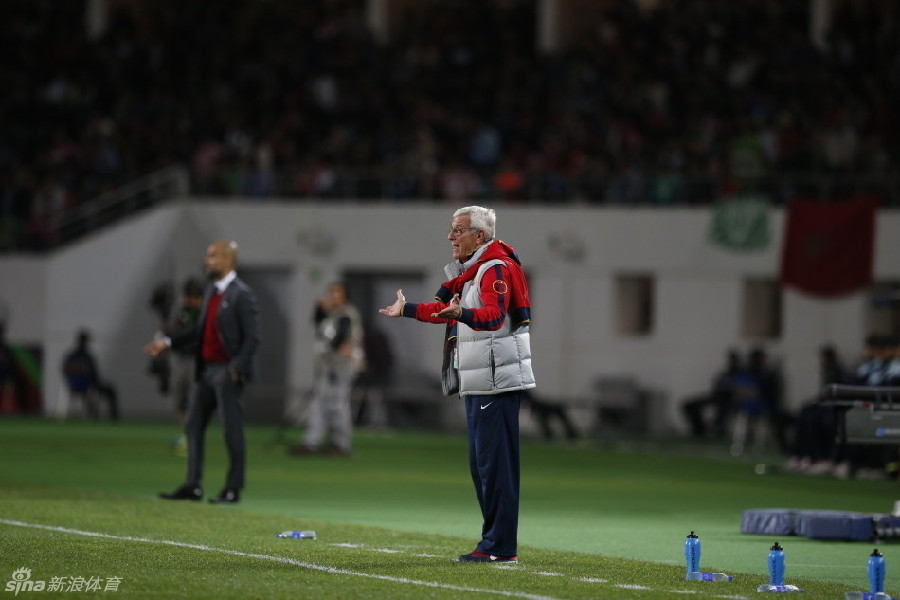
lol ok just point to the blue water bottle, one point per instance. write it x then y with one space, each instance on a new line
876 572
692 556
776 565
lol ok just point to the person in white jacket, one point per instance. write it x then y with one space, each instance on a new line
486 308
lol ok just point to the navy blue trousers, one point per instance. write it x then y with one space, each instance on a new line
493 423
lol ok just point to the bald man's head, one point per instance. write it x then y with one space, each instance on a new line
221 258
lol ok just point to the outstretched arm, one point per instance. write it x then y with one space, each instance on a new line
433 312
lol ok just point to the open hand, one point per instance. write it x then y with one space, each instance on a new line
395 309
451 311
155 348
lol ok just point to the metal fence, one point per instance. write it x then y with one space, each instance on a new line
625 189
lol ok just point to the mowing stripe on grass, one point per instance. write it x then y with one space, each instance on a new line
281 559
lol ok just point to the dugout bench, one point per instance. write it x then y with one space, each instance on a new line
868 415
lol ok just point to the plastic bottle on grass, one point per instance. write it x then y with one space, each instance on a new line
776 565
297 535
876 572
692 556
716 577
775 562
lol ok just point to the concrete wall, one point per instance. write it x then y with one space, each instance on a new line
23 291
104 283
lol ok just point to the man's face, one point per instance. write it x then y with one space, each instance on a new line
218 261
337 295
463 239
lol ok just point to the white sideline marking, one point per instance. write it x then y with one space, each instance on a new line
290 561
519 567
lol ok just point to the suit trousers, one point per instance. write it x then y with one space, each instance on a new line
493 424
215 388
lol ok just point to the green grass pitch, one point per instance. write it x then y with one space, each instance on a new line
78 510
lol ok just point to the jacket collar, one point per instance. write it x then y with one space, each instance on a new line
456 268
222 284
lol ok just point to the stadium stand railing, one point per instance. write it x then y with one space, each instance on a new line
144 192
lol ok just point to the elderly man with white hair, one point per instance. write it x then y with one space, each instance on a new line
486 308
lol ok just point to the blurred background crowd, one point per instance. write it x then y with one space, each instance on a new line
682 104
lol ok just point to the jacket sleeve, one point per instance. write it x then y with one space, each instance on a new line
422 311
494 298
495 288
190 335
187 336
248 315
344 327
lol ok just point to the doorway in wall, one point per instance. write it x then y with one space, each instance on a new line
413 392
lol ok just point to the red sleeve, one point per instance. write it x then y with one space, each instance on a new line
423 311
494 298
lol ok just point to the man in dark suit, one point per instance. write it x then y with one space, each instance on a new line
228 336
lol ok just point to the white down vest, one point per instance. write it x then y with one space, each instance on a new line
491 362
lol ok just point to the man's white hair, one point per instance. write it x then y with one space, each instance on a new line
480 218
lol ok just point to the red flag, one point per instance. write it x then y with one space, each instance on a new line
829 246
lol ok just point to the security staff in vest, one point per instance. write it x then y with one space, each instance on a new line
486 308
228 332
339 359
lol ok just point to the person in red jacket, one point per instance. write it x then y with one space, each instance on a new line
486 309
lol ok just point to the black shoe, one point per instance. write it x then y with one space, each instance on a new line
226 497
185 492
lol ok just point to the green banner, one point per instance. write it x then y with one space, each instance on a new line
741 223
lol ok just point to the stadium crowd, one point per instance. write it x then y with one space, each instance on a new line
680 105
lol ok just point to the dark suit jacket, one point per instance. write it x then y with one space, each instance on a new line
238 324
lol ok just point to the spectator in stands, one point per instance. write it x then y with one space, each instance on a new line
83 383
720 398
769 381
814 446
872 369
708 96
